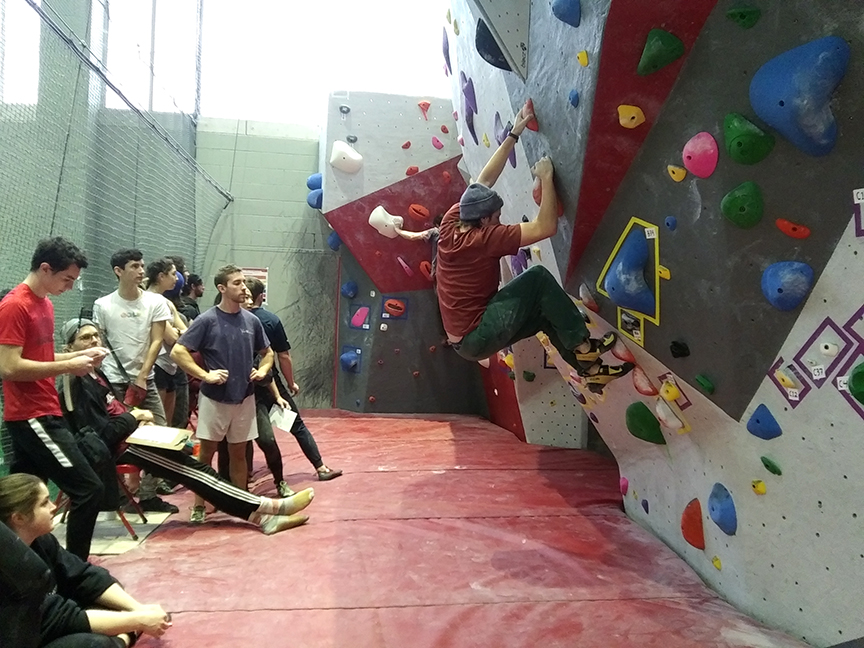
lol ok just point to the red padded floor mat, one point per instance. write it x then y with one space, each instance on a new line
444 531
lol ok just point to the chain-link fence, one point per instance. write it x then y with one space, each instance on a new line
106 178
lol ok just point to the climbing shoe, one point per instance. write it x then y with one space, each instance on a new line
598 348
606 374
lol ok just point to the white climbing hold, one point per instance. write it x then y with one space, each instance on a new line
385 223
345 158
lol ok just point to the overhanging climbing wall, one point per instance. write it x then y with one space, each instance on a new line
713 208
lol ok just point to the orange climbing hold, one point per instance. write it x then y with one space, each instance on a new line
424 107
411 170
395 307
691 524
426 270
537 193
418 212
791 229
446 177
532 124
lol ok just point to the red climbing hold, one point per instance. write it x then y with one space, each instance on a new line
380 362
405 266
416 374
424 106
691 524
396 351
432 349
412 170
371 399
407 145
426 270
461 141
444 129
418 212
642 383
538 196
396 307
791 229
446 177
621 351
532 123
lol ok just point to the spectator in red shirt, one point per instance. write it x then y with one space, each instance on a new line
480 319
41 442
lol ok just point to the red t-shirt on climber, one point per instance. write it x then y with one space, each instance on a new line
27 321
468 271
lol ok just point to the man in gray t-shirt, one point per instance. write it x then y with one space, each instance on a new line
227 337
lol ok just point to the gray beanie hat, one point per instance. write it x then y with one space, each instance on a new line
478 201
70 329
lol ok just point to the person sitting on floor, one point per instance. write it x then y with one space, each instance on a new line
88 608
92 404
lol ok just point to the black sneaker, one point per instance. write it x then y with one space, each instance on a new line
157 505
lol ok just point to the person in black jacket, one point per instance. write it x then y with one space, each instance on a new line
87 607
96 417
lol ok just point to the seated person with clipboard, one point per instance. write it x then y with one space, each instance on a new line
103 427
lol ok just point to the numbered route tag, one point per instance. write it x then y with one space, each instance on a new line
818 372
651 232
794 394
858 195
843 383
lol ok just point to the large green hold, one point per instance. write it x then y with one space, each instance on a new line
744 16
642 423
746 143
856 383
661 49
743 205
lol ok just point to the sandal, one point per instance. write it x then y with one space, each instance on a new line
606 374
598 348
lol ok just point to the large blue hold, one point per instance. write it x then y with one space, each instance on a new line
568 11
721 508
313 181
785 284
333 241
488 48
792 93
350 362
625 279
315 198
349 289
762 424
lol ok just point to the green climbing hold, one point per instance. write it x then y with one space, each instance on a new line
642 423
771 466
511 375
529 376
705 383
743 205
744 16
661 49
746 143
856 383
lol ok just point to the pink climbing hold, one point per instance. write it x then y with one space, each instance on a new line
642 382
455 115
624 485
407 145
701 154
437 143
405 266
461 141
445 176
359 318
588 299
411 170
424 107
444 129
621 351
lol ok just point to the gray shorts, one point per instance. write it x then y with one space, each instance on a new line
232 421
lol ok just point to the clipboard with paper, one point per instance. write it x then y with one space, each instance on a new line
282 418
159 436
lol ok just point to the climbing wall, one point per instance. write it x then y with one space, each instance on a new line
707 154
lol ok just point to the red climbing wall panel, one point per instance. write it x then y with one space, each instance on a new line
377 254
611 148
501 397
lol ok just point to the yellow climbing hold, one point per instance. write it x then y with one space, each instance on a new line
630 116
784 379
676 173
758 486
716 562
535 250
509 361
486 140
449 19
670 392
663 272
455 26
583 58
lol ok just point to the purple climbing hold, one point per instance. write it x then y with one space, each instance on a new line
469 123
468 93
501 131
447 53
593 417
645 505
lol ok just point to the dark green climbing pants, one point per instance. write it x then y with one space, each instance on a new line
530 303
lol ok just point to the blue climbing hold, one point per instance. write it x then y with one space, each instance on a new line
721 508
447 52
350 362
313 181
645 505
488 49
568 11
762 424
574 98
792 93
315 198
333 241
671 223
785 284
349 289
469 122
625 279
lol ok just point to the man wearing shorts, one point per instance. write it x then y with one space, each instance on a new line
227 337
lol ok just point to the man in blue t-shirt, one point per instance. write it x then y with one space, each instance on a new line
265 400
227 337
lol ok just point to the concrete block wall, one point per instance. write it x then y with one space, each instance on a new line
265 166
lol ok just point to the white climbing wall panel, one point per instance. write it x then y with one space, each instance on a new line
382 124
508 20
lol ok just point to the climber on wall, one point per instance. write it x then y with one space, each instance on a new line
480 319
